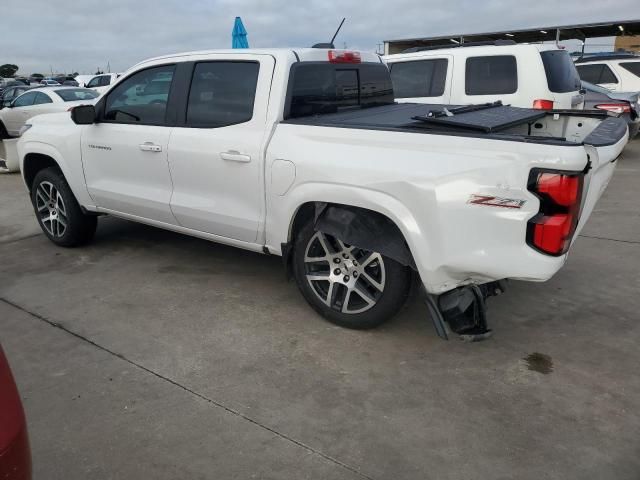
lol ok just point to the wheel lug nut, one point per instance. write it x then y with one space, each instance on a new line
355 264
337 271
355 274
344 255
336 260
346 278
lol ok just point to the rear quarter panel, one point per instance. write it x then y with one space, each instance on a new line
423 182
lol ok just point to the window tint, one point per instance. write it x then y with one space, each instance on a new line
141 98
105 80
607 75
317 88
491 75
95 82
562 76
74 94
26 99
422 78
633 67
596 73
42 98
222 93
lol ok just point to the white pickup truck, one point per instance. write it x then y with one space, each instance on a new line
304 153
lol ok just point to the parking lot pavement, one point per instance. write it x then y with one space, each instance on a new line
153 355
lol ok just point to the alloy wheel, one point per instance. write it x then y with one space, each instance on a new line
345 278
51 209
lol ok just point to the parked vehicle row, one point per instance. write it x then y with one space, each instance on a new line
37 101
306 154
522 75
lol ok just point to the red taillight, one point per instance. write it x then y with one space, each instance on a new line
563 189
543 104
552 229
344 56
615 107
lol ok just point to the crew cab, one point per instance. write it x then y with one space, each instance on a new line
304 153
522 75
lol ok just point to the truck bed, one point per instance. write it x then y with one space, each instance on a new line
501 122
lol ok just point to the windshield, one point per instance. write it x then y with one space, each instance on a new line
75 94
562 76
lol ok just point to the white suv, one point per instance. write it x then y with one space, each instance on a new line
100 83
619 72
521 75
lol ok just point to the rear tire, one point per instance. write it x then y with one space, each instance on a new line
58 211
349 286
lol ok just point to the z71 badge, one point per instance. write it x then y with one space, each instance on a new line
492 201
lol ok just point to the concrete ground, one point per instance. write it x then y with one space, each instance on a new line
153 355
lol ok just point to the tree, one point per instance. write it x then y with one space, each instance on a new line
8 70
37 75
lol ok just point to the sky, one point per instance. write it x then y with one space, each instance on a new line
84 35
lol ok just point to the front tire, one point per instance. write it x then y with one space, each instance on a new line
58 211
349 286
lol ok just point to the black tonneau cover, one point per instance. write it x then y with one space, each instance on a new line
430 118
420 115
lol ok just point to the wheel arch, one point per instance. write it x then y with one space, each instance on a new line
34 163
365 227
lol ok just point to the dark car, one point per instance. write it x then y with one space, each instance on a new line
15 454
9 94
624 103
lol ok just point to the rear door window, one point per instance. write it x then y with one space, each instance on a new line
222 93
607 75
494 75
633 67
562 76
42 98
422 78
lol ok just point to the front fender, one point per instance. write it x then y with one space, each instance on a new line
70 163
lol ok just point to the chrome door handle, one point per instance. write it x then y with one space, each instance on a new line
235 156
150 147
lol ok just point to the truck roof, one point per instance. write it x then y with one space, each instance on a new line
305 54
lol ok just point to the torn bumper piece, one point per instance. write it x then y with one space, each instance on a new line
463 311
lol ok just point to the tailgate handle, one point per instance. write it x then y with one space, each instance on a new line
235 156
150 147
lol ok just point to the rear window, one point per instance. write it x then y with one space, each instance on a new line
320 87
633 67
562 76
75 94
422 78
494 75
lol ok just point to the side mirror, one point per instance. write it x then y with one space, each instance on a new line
83 115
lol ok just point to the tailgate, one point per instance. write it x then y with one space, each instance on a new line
604 145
